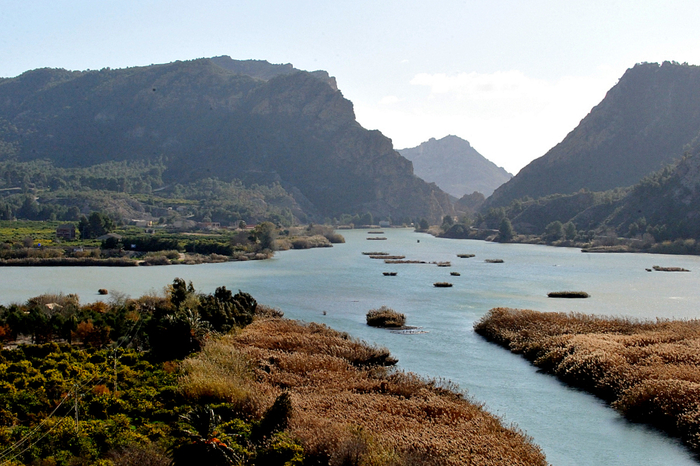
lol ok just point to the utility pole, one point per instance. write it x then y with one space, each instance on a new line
115 371
75 406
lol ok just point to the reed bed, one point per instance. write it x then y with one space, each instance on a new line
658 268
347 412
377 238
465 256
401 261
385 257
649 371
375 253
455 274
69 262
494 261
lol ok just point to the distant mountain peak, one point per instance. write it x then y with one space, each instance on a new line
455 166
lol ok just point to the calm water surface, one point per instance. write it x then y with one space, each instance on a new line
572 427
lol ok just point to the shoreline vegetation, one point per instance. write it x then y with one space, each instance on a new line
559 235
219 379
134 248
649 371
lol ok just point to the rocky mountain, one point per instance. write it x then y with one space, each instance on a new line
455 166
217 118
642 124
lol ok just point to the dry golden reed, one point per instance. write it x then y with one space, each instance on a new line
350 407
649 371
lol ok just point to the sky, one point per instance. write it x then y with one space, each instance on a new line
512 77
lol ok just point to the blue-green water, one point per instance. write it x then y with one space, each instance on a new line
572 427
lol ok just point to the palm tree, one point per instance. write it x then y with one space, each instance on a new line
201 445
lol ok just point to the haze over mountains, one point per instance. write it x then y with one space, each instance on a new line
643 123
455 166
222 118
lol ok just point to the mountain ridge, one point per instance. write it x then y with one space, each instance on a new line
641 125
202 119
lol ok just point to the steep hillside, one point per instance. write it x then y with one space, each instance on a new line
641 125
668 200
455 166
208 118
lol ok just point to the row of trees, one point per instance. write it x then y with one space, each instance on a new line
169 327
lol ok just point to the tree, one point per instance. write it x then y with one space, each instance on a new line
554 231
423 225
94 226
570 231
367 219
505 231
265 235
447 222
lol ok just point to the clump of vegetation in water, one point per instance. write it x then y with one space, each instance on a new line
669 269
385 317
442 284
648 370
568 294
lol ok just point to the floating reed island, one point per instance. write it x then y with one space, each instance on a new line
385 317
568 294
387 257
443 264
389 274
648 370
400 261
494 261
442 285
377 238
455 274
375 232
375 253
669 269
465 256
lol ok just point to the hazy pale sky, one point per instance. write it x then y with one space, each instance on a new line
513 77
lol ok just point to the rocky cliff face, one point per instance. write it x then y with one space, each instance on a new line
641 125
455 166
220 118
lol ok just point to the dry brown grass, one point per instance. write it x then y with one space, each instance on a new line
350 409
649 371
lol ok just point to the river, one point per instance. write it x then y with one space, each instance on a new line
338 285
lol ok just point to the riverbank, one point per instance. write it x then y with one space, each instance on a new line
588 243
350 407
648 370
176 250
149 380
